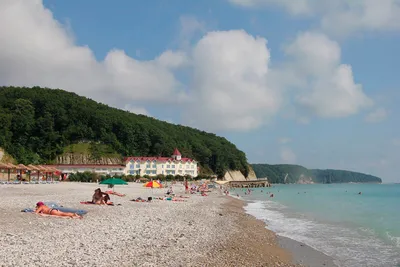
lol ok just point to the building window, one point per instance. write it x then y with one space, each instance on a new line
168 166
172 172
137 165
154 166
148 165
180 166
131 172
153 172
162 166
132 166
173 166
147 172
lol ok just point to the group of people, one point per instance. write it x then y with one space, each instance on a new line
100 198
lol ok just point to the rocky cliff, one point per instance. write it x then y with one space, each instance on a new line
238 176
80 158
252 175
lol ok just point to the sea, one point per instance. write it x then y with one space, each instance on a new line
355 224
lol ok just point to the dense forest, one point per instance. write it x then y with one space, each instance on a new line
277 174
37 124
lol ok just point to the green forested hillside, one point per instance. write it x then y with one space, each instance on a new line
38 123
277 173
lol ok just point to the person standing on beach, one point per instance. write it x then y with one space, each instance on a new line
186 187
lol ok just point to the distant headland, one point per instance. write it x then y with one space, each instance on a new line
288 173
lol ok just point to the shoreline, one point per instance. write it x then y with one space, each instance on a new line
201 231
294 253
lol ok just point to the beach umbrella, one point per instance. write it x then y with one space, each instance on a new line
114 181
10 166
152 184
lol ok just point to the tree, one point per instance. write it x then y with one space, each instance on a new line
39 123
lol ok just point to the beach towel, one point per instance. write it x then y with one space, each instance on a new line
60 208
65 217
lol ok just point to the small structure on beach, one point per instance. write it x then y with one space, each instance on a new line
17 171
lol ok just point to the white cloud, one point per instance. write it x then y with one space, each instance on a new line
37 50
284 140
136 110
173 59
377 115
396 142
340 16
324 86
230 86
287 155
190 28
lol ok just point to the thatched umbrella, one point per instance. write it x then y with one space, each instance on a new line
10 167
23 168
44 169
3 167
33 168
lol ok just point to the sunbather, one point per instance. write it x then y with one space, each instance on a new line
100 198
115 193
42 209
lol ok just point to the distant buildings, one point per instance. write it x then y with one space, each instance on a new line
151 166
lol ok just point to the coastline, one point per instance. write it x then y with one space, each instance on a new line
202 231
263 247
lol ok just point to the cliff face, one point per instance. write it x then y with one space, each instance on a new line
74 158
238 176
252 174
305 180
234 176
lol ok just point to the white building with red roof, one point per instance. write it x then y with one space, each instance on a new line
152 166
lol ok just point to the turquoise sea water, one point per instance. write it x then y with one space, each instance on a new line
356 230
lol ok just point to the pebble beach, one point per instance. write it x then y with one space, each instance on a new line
208 230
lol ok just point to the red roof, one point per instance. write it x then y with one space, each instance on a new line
176 153
159 159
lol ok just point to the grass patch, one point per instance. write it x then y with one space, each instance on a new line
100 150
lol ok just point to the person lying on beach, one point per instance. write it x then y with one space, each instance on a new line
100 198
172 199
42 209
115 193
139 199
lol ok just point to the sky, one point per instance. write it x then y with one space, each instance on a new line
309 82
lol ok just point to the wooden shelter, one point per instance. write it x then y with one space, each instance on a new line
31 168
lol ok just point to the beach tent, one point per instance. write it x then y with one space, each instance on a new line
152 184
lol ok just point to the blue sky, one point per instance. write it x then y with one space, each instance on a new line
313 82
